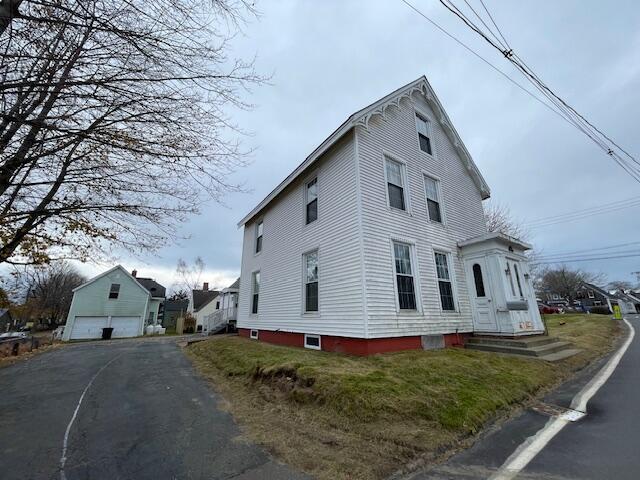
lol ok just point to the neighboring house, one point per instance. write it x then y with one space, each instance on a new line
174 309
377 241
590 295
6 322
226 307
626 302
202 303
117 299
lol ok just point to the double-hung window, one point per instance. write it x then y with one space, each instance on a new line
114 291
424 135
404 276
433 199
444 282
311 201
395 184
311 281
255 281
259 237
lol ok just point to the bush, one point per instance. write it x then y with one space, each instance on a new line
600 310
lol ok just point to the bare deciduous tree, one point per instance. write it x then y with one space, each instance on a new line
48 290
565 281
190 276
115 122
499 219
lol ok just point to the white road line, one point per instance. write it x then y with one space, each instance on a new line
534 444
63 458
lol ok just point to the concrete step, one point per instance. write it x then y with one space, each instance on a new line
532 351
561 355
521 342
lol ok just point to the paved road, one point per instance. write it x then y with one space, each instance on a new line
147 415
603 445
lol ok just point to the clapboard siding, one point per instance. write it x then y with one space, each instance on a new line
286 238
396 135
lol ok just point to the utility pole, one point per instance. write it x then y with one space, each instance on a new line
8 11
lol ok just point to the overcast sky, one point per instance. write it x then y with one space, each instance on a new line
331 58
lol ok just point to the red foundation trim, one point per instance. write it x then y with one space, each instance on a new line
352 345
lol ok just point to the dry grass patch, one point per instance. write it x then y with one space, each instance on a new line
337 416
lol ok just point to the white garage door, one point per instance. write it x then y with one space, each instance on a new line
88 327
125 327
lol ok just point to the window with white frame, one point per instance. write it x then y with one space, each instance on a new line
404 276
431 186
255 281
591 294
254 334
311 281
259 237
395 184
311 201
424 134
312 341
444 282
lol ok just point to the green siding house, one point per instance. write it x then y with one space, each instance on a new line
117 299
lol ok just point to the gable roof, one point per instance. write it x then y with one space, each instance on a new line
362 117
152 286
601 291
202 298
97 277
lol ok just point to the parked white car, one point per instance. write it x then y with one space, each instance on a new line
13 335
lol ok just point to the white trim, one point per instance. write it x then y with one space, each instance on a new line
313 347
253 286
258 222
251 334
365 312
308 179
500 237
362 117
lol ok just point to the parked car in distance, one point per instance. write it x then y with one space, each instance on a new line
544 308
13 335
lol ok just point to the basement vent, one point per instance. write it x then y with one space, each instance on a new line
312 341
254 334
432 342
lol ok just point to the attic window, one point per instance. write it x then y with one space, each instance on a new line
114 291
591 294
424 135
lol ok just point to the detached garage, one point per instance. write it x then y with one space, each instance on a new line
116 299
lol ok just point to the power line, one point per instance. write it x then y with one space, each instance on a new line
566 111
585 259
587 250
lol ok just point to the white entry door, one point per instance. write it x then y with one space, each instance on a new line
124 327
484 314
85 328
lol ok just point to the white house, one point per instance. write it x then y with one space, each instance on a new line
225 313
377 241
116 299
203 302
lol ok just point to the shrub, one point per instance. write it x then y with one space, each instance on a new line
600 310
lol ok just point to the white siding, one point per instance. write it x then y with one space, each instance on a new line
461 204
286 238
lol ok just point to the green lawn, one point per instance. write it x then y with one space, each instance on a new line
337 416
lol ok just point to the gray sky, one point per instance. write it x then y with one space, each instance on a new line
331 58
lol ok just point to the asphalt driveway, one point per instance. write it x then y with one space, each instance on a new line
146 415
